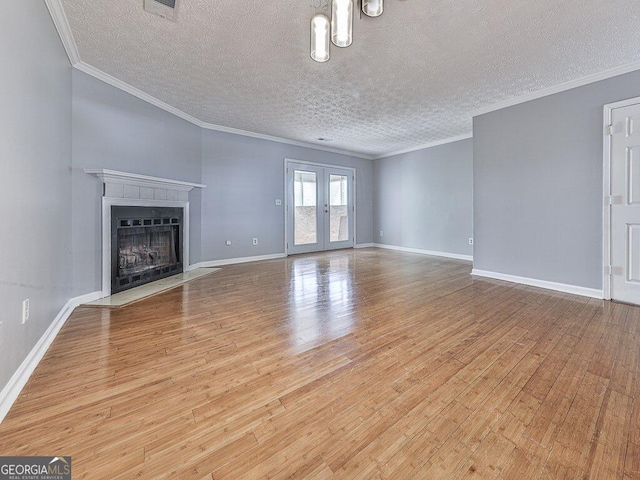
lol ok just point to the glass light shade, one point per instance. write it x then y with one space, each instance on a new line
320 38
372 8
342 22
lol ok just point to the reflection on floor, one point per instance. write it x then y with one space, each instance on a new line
350 364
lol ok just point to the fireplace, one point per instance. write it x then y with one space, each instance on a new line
146 245
133 203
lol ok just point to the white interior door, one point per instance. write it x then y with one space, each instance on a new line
320 208
625 204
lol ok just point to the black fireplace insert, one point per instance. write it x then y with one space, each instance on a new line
146 245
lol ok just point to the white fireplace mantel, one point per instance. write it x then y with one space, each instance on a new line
131 189
136 180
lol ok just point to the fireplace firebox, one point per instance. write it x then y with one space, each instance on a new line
145 245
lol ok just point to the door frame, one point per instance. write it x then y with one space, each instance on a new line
606 206
287 161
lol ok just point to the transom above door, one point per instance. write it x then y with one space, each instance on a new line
320 208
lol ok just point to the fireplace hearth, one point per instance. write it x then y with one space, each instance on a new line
145 245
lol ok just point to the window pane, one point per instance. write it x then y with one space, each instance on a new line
338 208
305 193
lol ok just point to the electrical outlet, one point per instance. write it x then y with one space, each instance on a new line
227 243
25 311
255 240
471 241
381 234
278 202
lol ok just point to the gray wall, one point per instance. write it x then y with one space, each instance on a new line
538 184
423 199
35 198
115 130
244 176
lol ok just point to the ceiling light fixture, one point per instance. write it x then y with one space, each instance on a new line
372 8
320 38
342 22
339 30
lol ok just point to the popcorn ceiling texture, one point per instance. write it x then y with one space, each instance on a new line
410 77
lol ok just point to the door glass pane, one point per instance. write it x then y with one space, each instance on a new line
305 193
338 208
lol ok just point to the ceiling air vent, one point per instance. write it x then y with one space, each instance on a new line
163 8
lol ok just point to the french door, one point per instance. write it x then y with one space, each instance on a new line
319 208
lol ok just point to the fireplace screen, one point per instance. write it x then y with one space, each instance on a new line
140 250
145 245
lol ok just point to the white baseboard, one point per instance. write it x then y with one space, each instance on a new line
233 261
425 252
364 245
559 287
19 379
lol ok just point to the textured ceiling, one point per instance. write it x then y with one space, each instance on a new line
410 77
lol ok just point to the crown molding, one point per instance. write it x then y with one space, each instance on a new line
61 23
245 133
119 84
56 10
545 92
426 145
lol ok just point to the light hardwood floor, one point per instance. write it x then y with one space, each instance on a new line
350 364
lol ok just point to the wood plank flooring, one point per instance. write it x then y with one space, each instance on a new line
350 364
